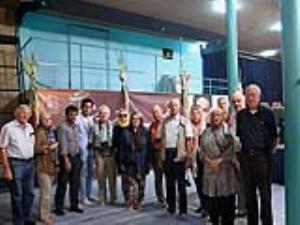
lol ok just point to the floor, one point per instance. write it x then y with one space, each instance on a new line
149 214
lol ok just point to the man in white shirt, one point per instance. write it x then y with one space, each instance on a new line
17 148
176 137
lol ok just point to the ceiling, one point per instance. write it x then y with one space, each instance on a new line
254 18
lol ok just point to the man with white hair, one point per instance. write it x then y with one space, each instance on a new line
17 149
256 128
105 156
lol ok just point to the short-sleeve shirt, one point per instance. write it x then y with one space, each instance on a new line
256 130
172 130
18 140
68 136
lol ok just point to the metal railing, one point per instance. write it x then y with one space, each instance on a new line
215 86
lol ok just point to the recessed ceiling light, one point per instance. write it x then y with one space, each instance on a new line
277 27
219 6
268 53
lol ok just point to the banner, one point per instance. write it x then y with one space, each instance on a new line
55 101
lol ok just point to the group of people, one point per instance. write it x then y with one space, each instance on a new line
228 150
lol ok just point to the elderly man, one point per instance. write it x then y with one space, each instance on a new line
223 104
17 148
176 135
105 155
256 128
157 153
238 103
85 121
70 162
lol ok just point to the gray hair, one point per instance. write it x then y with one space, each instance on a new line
254 87
20 108
104 108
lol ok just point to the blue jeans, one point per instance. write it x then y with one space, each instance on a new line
86 176
21 189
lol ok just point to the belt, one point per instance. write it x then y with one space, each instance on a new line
20 160
252 152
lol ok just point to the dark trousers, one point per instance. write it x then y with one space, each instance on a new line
158 175
21 189
175 172
73 178
256 170
221 209
199 183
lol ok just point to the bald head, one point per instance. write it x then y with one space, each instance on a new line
174 106
157 112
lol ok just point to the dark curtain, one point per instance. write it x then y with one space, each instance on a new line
264 72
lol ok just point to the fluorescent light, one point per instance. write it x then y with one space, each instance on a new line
219 6
276 27
268 53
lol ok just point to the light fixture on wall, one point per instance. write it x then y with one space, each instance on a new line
276 27
219 6
268 53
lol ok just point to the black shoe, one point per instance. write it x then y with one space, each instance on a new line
77 210
59 212
204 213
199 210
171 212
29 223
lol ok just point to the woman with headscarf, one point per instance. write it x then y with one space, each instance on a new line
121 124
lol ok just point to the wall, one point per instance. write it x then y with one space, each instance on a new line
73 54
8 77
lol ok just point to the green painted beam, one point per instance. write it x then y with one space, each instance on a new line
290 17
232 46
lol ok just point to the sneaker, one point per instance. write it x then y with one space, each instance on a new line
87 202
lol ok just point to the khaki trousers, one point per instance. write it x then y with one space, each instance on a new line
106 170
45 183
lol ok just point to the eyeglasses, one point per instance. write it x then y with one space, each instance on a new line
123 115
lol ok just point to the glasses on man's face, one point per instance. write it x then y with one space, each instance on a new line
123 115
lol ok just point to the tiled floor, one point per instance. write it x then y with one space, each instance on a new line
150 214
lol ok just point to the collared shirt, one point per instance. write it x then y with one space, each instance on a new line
154 130
197 131
18 140
256 130
172 128
68 136
86 125
103 132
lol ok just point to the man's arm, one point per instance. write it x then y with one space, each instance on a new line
4 141
273 130
63 141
